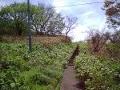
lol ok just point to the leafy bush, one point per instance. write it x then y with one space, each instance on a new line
39 70
98 73
114 50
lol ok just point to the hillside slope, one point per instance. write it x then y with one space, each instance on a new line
41 69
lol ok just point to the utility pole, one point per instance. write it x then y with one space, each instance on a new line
29 31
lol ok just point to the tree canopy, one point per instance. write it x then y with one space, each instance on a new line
112 8
44 20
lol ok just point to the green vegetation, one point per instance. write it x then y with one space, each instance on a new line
112 10
39 70
42 68
99 73
113 50
44 20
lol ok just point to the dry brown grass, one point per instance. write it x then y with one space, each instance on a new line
37 39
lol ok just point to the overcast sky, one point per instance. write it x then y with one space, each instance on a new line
89 15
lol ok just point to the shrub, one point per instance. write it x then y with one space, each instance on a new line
114 50
99 73
41 69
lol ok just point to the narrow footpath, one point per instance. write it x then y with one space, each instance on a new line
69 81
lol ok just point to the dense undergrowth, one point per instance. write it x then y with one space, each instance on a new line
99 73
41 69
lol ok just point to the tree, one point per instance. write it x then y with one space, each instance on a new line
48 21
14 17
44 20
97 40
113 47
70 23
112 8
55 25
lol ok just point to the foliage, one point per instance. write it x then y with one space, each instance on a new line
98 73
39 70
104 43
112 8
113 50
97 41
48 22
44 20
113 47
13 19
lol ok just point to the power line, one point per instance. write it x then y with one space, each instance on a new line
72 5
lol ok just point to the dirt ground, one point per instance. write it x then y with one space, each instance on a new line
69 81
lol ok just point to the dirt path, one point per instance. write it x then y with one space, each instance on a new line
69 81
